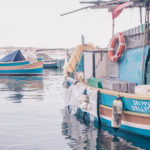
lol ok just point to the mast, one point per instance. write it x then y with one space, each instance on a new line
140 16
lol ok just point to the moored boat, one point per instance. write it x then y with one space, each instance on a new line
55 63
102 85
16 64
49 62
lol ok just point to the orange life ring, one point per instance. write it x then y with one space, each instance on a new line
114 57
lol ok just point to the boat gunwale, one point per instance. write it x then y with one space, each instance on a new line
115 93
21 74
38 64
19 61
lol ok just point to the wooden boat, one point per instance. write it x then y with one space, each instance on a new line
56 63
111 87
16 64
49 62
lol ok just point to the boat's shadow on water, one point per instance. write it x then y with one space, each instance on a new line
82 136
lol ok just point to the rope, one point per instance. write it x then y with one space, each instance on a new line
96 66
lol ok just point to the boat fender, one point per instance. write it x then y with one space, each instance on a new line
84 106
71 80
65 84
117 113
89 108
84 100
79 76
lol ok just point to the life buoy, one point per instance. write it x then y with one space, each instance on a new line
114 57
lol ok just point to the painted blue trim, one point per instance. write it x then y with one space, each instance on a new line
80 66
130 64
133 105
50 65
27 78
138 131
22 71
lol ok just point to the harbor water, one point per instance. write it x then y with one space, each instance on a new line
33 117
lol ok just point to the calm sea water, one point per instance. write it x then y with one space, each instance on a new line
33 117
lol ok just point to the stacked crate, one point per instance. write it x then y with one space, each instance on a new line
95 82
117 85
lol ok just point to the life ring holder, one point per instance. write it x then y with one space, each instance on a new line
113 57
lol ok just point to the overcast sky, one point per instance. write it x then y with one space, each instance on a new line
38 23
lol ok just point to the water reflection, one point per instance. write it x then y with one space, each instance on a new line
53 71
35 122
79 136
16 98
21 87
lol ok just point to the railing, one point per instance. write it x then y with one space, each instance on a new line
135 37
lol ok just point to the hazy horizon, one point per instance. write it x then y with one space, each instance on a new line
37 23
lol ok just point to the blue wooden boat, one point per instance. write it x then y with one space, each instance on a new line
112 87
16 64
49 62
55 63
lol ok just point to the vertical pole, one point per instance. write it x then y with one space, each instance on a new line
82 39
98 111
141 16
93 65
146 28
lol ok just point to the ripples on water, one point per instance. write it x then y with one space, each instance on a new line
81 136
33 117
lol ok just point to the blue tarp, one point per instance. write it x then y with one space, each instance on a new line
14 56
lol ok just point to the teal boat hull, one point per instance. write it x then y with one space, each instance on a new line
87 118
32 67
54 63
135 115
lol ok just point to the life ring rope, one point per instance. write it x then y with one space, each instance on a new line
114 57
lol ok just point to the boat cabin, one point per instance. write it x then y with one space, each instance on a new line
124 74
